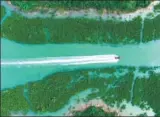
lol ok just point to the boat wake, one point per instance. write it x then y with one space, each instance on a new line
70 60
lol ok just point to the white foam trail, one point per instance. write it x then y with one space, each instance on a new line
73 60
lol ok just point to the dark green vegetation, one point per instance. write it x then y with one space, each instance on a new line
142 115
12 100
147 90
2 12
79 30
94 111
151 29
70 30
54 91
157 8
115 89
118 5
60 87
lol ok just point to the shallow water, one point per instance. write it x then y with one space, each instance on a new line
131 110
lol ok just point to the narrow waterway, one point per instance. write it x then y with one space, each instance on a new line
131 55
25 94
8 13
142 29
133 83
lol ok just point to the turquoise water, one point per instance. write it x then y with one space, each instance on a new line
131 55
